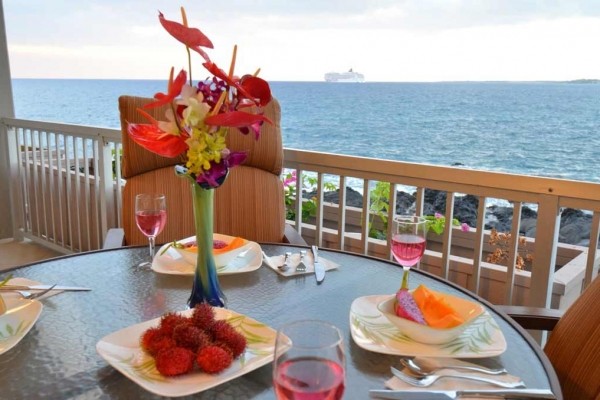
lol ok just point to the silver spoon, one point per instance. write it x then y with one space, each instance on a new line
285 266
423 369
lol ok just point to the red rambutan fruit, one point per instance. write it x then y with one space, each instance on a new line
169 321
219 326
224 346
213 359
148 337
159 343
174 361
191 337
203 315
232 339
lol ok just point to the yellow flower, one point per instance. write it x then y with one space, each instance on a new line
204 148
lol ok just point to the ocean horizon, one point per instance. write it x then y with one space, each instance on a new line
539 128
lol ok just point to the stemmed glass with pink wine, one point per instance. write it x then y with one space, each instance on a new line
409 239
150 218
309 361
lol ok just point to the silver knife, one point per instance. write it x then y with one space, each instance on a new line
43 287
456 394
319 266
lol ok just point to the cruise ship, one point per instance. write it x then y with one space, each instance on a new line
349 76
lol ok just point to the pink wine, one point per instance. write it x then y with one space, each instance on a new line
309 378
151 223
408 249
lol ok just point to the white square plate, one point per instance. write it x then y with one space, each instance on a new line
19 318
168 261
121 349
372 331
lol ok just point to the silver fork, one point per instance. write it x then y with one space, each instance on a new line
32 296
425 368
301 267
428 380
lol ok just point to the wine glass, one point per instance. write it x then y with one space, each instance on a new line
409 239
150 218
309 361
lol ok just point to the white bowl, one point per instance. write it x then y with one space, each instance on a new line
220 259
468 310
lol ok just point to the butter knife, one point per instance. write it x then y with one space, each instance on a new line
457 394
319 266
43 287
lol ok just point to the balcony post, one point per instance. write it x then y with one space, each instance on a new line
7 110
546 243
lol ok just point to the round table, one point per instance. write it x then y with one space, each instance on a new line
57 359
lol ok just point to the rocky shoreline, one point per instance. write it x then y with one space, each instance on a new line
575 225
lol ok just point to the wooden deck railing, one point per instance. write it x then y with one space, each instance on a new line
549 195
66 193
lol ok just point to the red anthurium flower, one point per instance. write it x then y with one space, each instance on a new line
174 89
191 37
257 88
219 73
153 139
235 119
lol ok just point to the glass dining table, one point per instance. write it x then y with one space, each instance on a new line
58 359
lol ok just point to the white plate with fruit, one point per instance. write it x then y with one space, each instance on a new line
179 259
428 316
373 330
181 354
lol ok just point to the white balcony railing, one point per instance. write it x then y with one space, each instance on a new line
66 186
66 192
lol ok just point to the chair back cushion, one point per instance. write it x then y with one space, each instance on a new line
265 153
574 346
249 204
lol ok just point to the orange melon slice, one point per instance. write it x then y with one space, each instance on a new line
234 244
436 310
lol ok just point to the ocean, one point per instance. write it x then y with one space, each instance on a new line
533 128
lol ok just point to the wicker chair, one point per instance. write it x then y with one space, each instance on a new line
574 344
249 204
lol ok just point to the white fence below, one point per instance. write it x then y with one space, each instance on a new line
66 183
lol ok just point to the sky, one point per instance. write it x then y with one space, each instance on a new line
301 40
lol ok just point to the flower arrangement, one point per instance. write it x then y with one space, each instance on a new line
199 116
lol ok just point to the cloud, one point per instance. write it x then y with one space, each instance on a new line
406 40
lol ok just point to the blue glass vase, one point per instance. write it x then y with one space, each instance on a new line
206 287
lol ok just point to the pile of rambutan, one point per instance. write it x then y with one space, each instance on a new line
180 343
